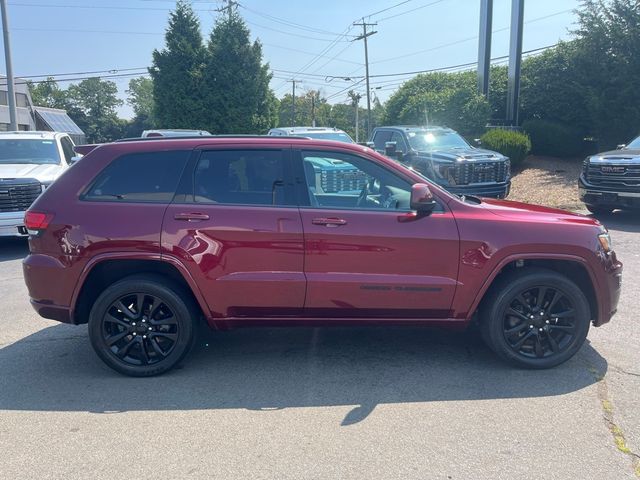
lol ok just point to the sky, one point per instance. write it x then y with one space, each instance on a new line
312 42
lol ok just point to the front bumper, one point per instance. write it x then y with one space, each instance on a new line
492 190
12 224
606 196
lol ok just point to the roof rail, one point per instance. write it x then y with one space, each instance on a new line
201 137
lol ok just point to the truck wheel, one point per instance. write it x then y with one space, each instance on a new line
600 209
535 318
142 325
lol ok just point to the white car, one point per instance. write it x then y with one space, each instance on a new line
29 163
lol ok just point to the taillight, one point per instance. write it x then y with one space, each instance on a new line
36 222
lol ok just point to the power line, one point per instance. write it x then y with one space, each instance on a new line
387 9
409 11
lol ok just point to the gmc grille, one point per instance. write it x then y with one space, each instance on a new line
614 175
480 172
18 197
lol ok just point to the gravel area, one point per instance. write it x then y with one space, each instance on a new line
548 181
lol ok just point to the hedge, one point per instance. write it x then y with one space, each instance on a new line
514 145
554 139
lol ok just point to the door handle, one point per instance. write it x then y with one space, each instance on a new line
191 217
329 222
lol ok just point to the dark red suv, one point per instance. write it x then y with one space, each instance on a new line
142 239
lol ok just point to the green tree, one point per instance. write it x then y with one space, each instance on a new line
140 98
95 101
308 105
237 94
447 99
48 94
607 66
176 72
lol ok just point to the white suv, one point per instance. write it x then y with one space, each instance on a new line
29 163
321 133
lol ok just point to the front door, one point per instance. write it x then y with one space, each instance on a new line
237 228
366 253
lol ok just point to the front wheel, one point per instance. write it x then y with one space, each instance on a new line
142 325
535 318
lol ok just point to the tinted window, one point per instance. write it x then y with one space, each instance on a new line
243 177
380 138
29 151
140 177
400 143
67 148
337 180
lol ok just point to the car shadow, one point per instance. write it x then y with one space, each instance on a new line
13 248
277 368
623 220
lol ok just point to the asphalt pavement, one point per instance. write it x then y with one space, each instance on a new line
319 403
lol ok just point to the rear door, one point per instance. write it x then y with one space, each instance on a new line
366 253
236 226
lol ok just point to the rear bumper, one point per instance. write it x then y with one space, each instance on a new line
12 224
606 196
49 286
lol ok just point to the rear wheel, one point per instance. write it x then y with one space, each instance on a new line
142 325
600 209
535 318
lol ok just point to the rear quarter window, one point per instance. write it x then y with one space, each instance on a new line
140 177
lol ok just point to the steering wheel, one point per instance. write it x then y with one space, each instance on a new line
362 198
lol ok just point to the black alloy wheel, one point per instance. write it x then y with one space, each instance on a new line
142 325
535 318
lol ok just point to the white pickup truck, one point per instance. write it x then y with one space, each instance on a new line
29 163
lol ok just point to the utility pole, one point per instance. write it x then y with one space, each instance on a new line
293 103
230 8
364 37
13 116
313 108
484 46
356 102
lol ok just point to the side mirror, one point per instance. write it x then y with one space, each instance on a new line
422 200
371 145
477 141
621 146
399 155
74 159
390 149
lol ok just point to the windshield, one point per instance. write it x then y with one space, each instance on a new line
634 143
422 141
29 151
338 136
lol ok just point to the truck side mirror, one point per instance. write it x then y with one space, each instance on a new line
74 159
621 146
371 145
390 149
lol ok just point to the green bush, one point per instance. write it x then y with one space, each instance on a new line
514 145
554 139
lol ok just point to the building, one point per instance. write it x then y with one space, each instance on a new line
32 117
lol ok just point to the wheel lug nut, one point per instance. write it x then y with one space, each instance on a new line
134 334
144 321
531 317
547 322
541 314
134 324
530 326
152 328
144 336
539 329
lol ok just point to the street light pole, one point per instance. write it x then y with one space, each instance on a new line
13 116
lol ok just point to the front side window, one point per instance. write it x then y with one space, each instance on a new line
381 138
241 177
426 141
337 180
401 146
29 151
140 177
67 148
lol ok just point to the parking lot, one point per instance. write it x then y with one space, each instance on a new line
395 403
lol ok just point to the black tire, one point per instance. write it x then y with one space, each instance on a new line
150 331
600 209
529 332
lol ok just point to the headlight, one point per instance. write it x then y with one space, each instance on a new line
605 242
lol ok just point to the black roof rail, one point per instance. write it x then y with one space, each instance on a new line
201 137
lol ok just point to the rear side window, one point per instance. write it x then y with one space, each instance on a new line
242 177
140 177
